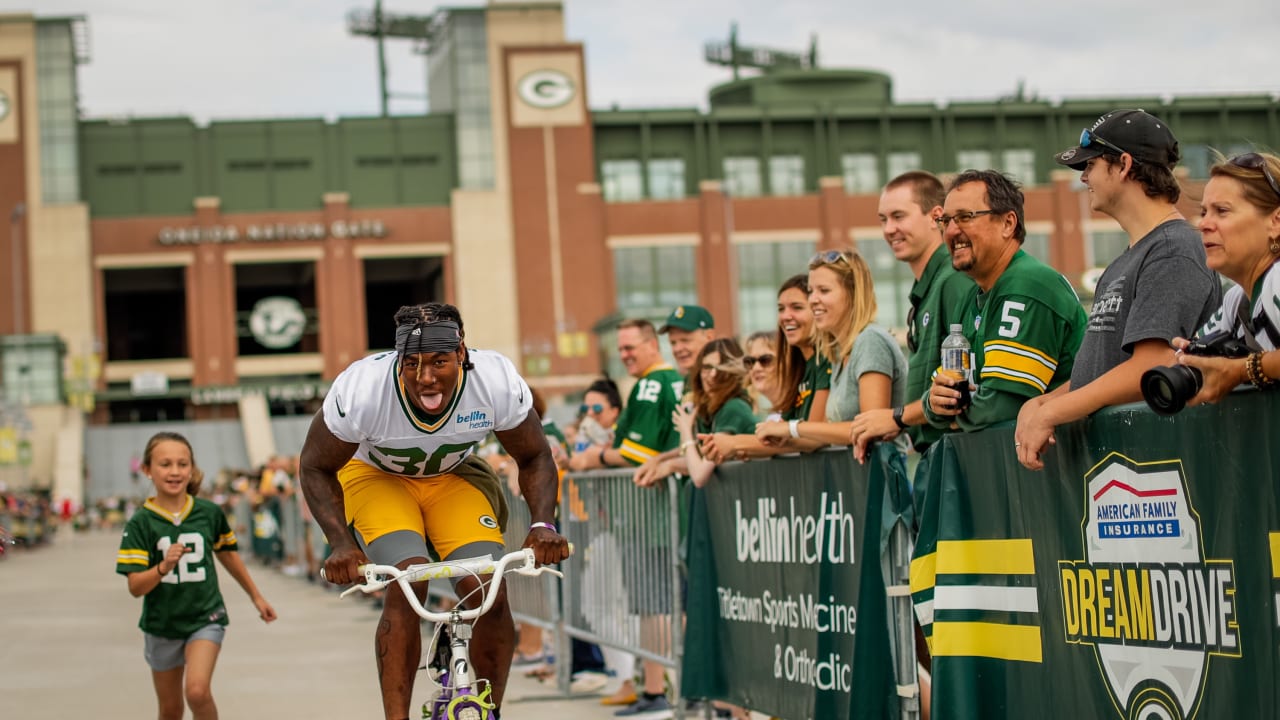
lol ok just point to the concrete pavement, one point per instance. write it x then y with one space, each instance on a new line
70 647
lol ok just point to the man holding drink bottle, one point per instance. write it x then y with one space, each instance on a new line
1023 321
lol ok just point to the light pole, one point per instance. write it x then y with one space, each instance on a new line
15 248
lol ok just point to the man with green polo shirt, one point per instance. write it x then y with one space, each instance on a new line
909 209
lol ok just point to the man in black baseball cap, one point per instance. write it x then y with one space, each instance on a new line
1140 134
1158 287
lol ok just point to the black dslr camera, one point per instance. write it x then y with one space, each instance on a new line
1167 389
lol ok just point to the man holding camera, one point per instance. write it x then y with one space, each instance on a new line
1158 289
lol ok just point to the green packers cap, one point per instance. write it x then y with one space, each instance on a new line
688 318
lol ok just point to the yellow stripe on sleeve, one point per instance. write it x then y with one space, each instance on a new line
636 452
992 640
1017 366
985 557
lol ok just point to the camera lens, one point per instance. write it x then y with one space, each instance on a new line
1167 389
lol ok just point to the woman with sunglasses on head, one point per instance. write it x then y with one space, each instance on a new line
719 403
801 378
1240 225
868 369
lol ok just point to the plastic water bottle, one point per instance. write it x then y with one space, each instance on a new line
955 361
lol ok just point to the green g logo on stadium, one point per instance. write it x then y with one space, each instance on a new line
277 322
545 89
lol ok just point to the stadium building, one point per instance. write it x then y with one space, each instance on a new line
159 269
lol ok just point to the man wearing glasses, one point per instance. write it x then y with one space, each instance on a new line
1158 289
909 208
1023 321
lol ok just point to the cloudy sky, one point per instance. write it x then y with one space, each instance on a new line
279 58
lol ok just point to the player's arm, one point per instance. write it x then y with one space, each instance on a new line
539 484
323 455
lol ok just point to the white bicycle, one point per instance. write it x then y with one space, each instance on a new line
460 695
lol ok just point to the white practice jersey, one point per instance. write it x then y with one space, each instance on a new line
367 405
1264 315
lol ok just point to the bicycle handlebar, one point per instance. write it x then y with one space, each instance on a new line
379 576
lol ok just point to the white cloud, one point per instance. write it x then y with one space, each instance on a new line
286 58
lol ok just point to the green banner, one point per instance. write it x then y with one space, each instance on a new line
786 599
1135 577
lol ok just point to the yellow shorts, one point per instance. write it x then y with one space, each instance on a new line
445 510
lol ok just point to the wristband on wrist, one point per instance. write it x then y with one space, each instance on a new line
897 417
602 461
160 572
548 526
684 446
794 427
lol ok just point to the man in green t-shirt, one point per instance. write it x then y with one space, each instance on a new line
909 209
1023 321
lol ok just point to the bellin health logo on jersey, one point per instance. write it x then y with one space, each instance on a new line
1146 598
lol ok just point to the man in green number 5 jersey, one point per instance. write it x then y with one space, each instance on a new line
388 470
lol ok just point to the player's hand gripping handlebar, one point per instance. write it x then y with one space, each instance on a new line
379 576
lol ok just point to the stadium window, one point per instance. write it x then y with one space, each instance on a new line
1037 246
1106 245
973 160
291 164
891 279
666 179
1196 159
860 174
742 176
620 180
786 175
652 280
1020 164
903 161
762 268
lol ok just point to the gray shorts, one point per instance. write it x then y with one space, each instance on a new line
168 653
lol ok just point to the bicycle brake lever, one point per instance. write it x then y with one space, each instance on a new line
539 571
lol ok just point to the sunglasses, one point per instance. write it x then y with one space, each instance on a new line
1087 138
1254 161
764 360
595 408
830 257
961 218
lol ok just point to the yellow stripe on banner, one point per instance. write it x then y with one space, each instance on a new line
1274 539
924 572
986 557
992 640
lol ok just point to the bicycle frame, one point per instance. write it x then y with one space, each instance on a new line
458 699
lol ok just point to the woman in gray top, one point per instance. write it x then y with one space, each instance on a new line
868 369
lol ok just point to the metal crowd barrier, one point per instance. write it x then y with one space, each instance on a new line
624 585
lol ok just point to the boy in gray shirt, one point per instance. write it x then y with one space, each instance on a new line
1159 288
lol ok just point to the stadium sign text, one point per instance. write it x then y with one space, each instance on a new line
272 232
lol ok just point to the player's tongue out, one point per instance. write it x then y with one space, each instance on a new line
431 401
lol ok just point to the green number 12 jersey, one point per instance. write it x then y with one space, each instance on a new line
187 598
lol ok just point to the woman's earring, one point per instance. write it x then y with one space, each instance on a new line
1275 246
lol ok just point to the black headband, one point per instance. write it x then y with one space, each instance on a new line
423 337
